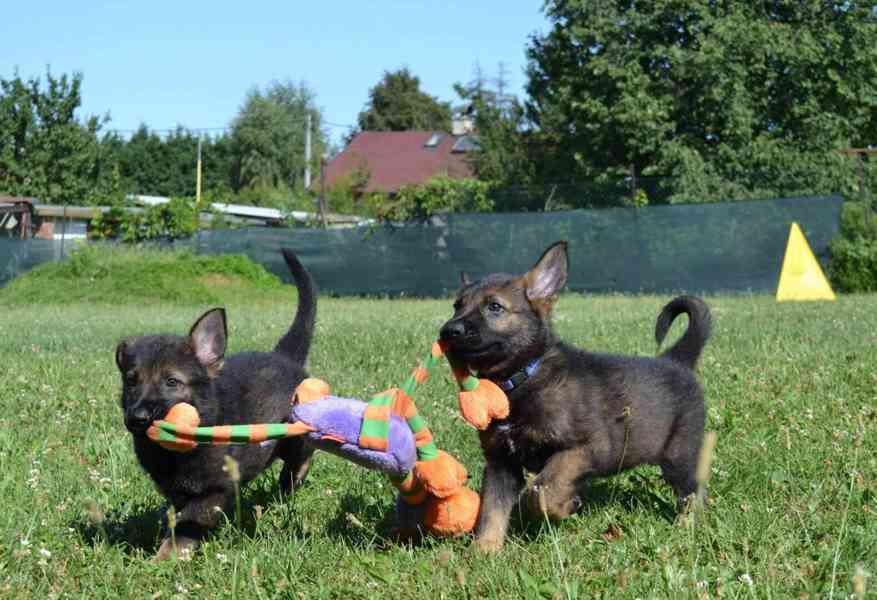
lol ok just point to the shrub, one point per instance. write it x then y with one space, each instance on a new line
853 266
176 219
438 195
116 274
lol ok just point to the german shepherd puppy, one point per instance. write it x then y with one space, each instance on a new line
159 371
574 414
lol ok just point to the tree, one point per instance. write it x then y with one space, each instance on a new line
501 130
396 103
268 136
736 97
46 151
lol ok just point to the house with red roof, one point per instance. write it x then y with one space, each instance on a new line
388 160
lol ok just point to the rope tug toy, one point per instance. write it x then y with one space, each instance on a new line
385 434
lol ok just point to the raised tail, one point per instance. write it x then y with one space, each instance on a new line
296 343
687 350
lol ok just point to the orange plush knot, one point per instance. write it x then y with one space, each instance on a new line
185 416
453 515
483 404
310 390
442 475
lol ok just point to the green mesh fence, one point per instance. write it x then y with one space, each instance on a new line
698 248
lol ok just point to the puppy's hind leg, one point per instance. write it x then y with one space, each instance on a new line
679 462
296 456
555 492
197 517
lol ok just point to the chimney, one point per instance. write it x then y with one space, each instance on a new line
462 125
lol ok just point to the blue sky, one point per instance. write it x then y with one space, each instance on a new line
191 62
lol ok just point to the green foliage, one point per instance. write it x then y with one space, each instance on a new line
501 131
438 195
853 266
268 136
736 99
45 150
152 164
113 274
173 220
397 103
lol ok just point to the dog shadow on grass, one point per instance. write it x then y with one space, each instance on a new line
362 522
599 495
139 529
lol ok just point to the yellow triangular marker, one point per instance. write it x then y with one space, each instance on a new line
802 277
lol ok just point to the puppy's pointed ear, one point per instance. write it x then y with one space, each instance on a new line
208 337
545 280
123 357
464 278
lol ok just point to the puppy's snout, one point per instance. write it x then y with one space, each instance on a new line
138 419
452 331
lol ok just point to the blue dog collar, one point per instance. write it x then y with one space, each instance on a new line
521 376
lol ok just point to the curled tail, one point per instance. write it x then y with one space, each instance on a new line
296 343
687 350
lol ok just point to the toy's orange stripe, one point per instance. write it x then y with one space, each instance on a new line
403 405
298 428
420 375
422 437
222 433
438 349
411 490
310 390
377 413
372 443
258 433
334 438
406 485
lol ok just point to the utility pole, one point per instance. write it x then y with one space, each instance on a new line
323 191
308 153
198 178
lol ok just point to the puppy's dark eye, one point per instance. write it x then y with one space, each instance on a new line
172 383
131 379
495 307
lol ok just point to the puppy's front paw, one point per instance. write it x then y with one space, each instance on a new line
488 545
183 550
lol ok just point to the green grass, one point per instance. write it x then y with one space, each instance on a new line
114 274
791 393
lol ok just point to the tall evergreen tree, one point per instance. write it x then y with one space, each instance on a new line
397 103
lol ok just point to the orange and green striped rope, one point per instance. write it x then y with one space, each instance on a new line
177 433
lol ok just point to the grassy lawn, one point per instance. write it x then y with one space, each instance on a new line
793 512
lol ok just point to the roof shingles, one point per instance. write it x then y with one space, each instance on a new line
396 158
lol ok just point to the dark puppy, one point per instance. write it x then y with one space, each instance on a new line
159 371
574 414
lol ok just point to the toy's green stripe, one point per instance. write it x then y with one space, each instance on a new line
427 451
167 436
276 431
204 435
430 363
240 434
377 428
168 427
416 423
399 480
470 383
410 385
381 400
